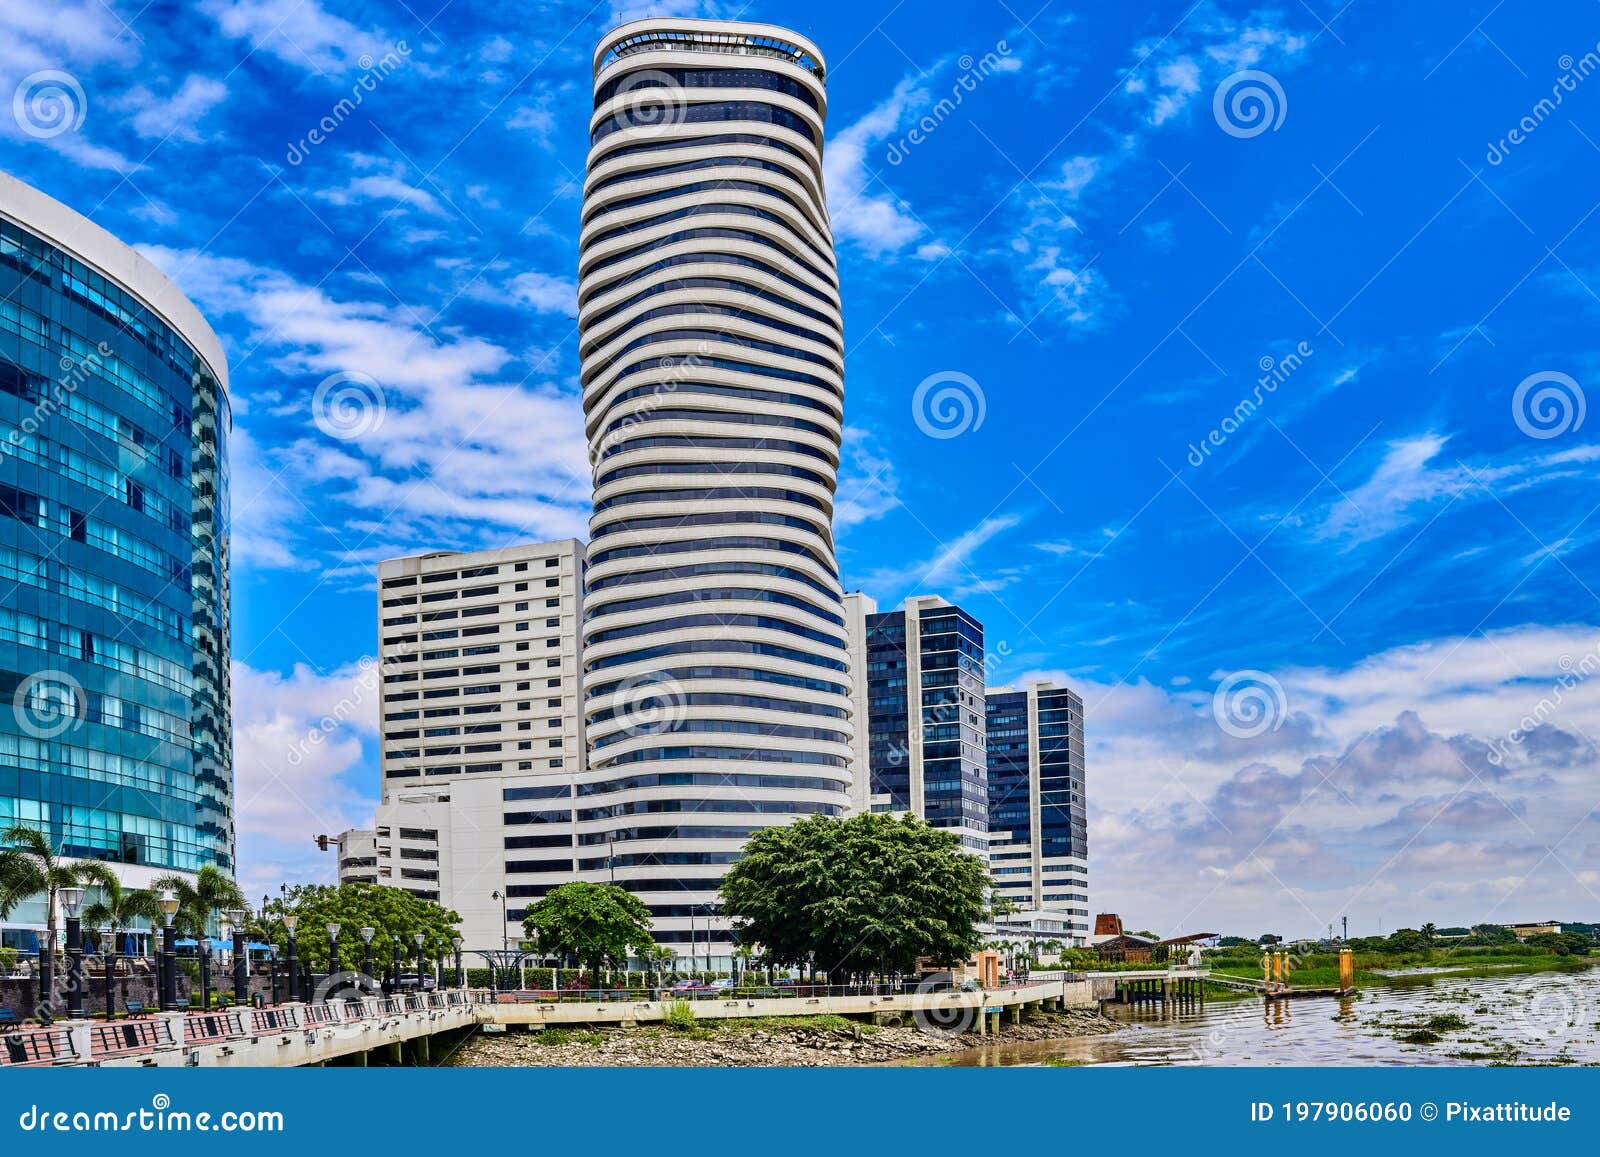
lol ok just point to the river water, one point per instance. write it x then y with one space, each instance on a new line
1542 1018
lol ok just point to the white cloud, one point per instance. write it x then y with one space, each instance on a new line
951 569
375 179
466 457
546 294
1377 790
175 114
1406 485
1170 73
301 33
879 222
868 485
299 749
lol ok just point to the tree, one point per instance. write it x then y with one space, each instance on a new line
30 867
393 913
1430 932
210 892
594 922
869 892
117 908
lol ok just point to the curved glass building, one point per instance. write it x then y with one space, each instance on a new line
715 652
114 707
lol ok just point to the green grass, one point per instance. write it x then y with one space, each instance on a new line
563 1036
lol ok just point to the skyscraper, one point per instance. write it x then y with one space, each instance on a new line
1038 835
480 714
114 598
921 697
715 657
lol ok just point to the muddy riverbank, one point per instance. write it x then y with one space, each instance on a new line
787 1042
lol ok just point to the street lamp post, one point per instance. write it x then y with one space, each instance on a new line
289 922
505 937
366 953
333 951
108 952
203 946
241 957
419 939
155 956
461 977
168 904
71 901
394 971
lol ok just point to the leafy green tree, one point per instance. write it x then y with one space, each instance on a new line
1430 932
29 867
199 900
1407 940
393 913
872 892
1491 934
594 922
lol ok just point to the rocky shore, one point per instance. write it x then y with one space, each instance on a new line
805 1041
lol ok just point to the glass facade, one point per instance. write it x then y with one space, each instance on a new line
942 696
114 628
1039 846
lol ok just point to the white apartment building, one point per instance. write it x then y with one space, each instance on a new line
480 713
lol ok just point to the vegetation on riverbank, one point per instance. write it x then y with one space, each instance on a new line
787 1041
1320 969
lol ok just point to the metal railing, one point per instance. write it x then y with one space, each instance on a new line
740 992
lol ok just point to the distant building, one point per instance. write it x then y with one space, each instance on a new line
482 735
1534 928
922 698
1038 832
358 856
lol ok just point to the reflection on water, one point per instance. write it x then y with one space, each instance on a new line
1551 1017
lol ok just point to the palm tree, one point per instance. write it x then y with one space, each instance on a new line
209 893
116 910
1429 931
30 867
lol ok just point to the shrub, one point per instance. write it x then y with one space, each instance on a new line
679 1014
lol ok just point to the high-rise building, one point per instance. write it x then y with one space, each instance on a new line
114 607
715 666
1038 835
480 714
922 697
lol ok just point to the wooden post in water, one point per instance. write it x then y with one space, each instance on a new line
1347 969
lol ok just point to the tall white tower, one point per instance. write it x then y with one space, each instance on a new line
716 660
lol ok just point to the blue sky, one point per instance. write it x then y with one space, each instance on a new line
1051 216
